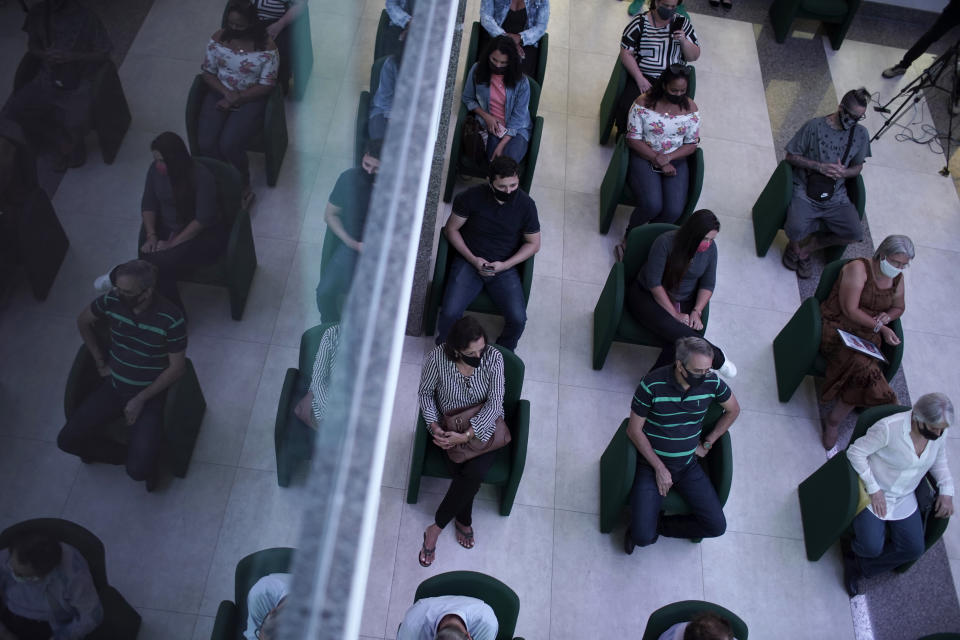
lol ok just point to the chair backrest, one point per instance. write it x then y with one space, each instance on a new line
229 189
871 415
513 371
501 598
309 343
534 105
829 278
89 545
380 44
375 70
684 611
638 246
253 567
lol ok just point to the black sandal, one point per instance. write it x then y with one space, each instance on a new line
726 4
714 3
467 535
425 553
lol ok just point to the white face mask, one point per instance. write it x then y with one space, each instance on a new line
889 270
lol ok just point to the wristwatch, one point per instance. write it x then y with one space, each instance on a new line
707 444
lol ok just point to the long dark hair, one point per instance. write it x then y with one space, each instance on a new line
505 45
462 333
180 169
659 88
685 243
256 29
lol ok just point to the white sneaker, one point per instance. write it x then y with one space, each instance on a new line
728 370
103 284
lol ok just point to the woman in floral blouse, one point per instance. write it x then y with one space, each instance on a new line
240 70
663 129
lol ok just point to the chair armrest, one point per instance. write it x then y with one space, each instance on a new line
520 437
696 174
283 406
828 504
544 46
618 466
74 392
240 247
614 179
606 315
770 209
417 458
893 354
796 346
533 152
857 192
194 100
611 95
225 626
526 277
723 467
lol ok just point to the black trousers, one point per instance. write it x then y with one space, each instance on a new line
24 628
84 434
466 479
648 312
185 258
947 20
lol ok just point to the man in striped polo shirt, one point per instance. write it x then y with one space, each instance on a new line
147 353
665 425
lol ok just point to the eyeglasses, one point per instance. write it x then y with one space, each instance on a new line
853 115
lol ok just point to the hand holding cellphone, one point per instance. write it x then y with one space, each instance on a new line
676 24
500 130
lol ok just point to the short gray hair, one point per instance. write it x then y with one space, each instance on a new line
934 408
690 345
144 272
894 244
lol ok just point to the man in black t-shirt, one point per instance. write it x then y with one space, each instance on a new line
494 227
346 217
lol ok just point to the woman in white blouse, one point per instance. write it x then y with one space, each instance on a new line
462 371
891 459
663 130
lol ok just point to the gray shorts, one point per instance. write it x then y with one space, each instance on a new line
806 217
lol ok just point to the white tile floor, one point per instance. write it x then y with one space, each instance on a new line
172 553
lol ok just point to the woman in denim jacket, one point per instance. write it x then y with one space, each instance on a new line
498 94
525 21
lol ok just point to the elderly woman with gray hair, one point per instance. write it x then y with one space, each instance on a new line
891 460
865 299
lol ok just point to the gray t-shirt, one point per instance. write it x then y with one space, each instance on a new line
819 141
158 197
701 274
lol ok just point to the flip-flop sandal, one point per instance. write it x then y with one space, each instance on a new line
618 251
468 535
714 3
726 5
425 553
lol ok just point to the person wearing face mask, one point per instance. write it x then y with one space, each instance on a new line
650 43
664 131
449 618
666 416
382 102
46 591
892 459
346 217
461 372
867 296
675 284
498 94
824 153
145 355
524 21
493 227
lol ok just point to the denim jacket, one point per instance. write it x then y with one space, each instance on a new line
494 12
516 107
382 100
399 12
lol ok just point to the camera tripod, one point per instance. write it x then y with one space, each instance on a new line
943 70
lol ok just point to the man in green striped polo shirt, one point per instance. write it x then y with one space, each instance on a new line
147 353
665 425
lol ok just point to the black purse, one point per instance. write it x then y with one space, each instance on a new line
926 498
820 188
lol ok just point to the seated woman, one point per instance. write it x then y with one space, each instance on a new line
311 407
664 130
676 283
240 69
867 296
277 15
46 591
462 371
524 21
498 94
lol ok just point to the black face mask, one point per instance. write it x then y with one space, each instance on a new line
674 99
926 433
846 120
502 196
665 13
130 302
250 33
497 71
693 379
471 361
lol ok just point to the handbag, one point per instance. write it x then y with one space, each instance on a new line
474 143
820 188
459 420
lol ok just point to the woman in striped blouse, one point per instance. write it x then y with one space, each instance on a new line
461 372
278 15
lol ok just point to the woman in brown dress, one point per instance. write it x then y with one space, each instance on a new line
866 298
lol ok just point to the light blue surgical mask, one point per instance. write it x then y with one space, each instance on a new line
888 269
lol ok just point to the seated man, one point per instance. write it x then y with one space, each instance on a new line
824 153
54 107
665 425
892 459
449 618
346 217
493 228
382 102
311 406
704 626
46 591
147 353
264 603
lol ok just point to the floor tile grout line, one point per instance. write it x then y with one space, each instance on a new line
216 545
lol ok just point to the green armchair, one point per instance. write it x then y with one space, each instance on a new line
292 439
120 620
231 620
615 190
507 470
618 465
796 349
363 111
388 37
836 16
483 303
501 598
272 141
461 165
612 321
830 495
665 617
473 53
770 209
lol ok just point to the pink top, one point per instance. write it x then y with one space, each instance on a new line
663 132
498 97
239 70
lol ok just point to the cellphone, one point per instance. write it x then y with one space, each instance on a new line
677 23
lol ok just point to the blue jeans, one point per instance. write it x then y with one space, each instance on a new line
660 198
875 553
335 280
464 284
516 148
705 519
